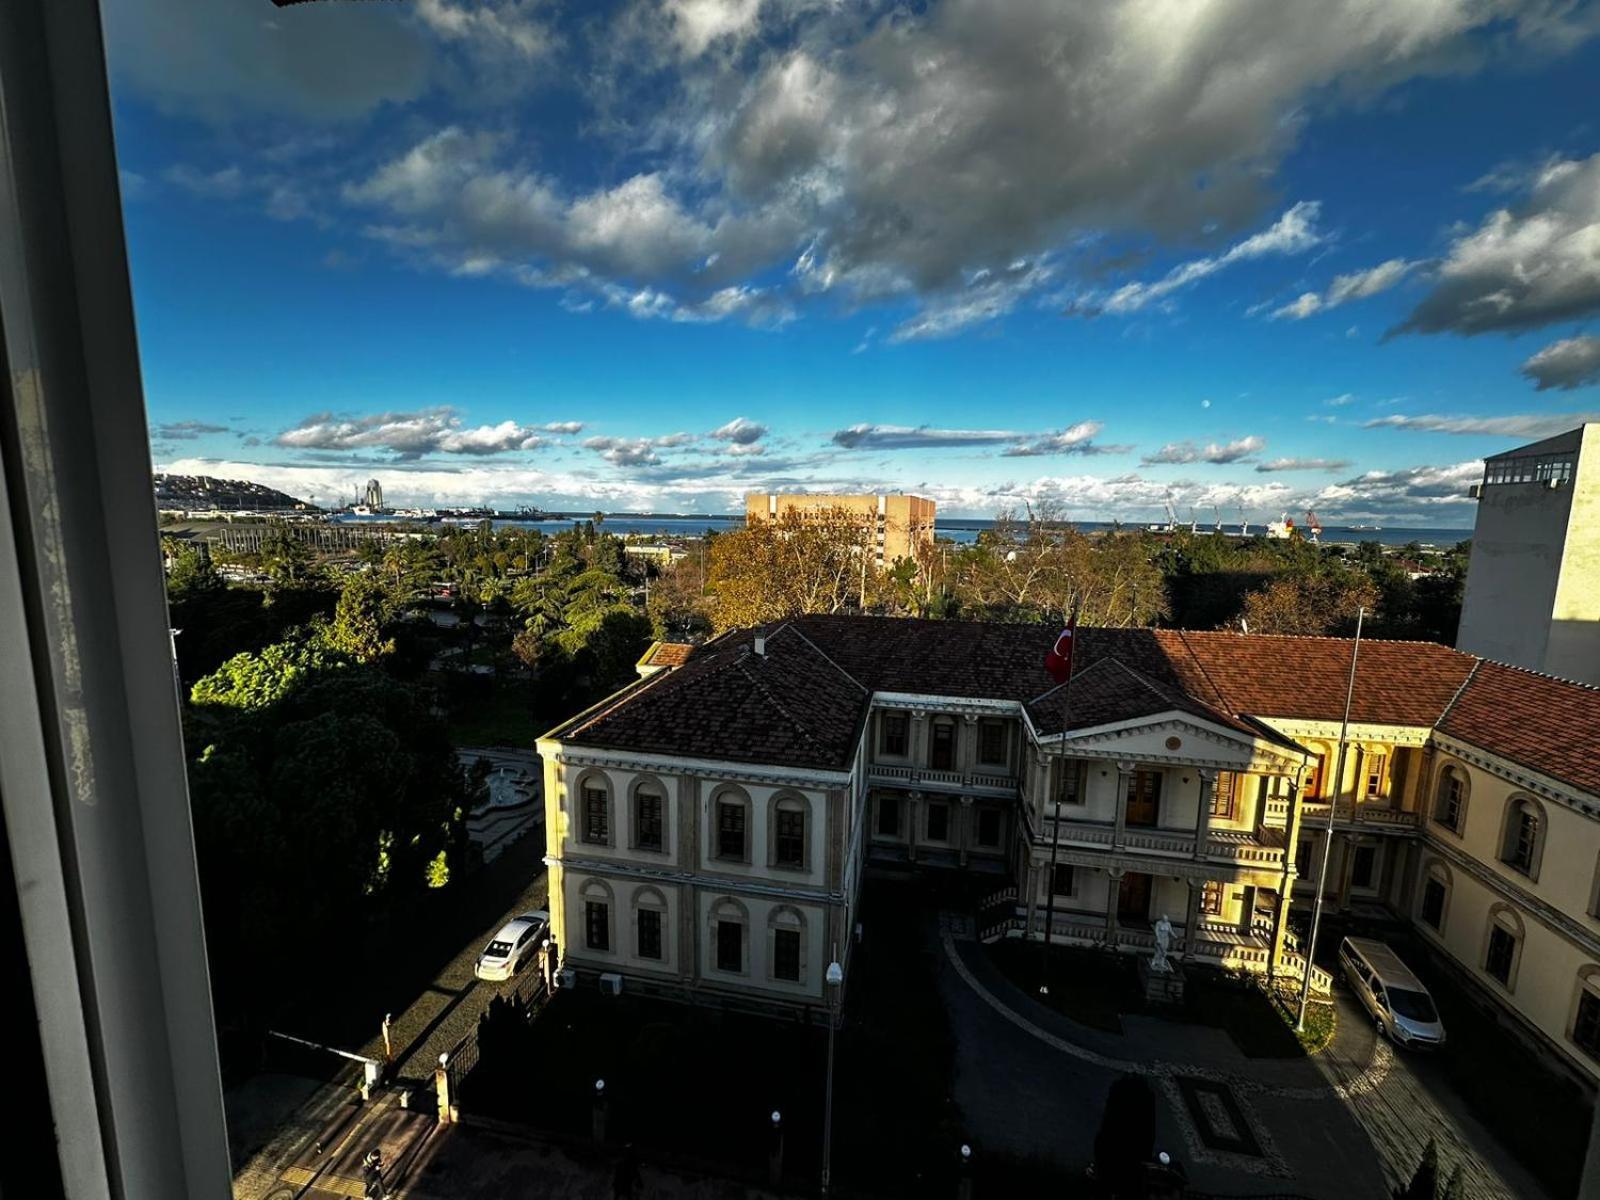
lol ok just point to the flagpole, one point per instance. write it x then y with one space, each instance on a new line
1055 826
1327 840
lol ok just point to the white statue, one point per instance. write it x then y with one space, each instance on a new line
1158 961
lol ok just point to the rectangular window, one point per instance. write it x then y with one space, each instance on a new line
730 946
1314 786
596 815
597 925
791 838
647 821
1433 904
1071 781
649 933
938 822
889 816
730 830
1502 951
988 827
1302 859
992 743
943 754
1222 794
1586 1025
1524 834
1144 798
1375 767
1361 868
1211 899
895 734
786 954
1061 879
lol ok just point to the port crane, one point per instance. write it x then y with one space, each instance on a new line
1314 525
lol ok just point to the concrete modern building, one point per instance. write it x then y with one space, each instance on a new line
900 525
709 825
1533 589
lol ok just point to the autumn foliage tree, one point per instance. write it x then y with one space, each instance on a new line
805 562
1321 603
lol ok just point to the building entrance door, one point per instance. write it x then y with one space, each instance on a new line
1133 897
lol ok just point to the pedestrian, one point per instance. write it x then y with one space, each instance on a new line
372 1174
625 1180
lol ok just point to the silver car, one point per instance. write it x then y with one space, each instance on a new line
511 949
1397 1000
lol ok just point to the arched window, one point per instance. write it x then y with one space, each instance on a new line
788 832
1522 835
1450 798
597 903
649 924
786 943
594 808
1319 783
1433 901
1502 945
730 936
1583 1026
730 818
649 814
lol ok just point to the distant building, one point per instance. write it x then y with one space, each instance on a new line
1533 589
900 524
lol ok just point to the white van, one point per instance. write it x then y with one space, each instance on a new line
1394 996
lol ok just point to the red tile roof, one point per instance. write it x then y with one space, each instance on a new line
1548 725
667 654
804 702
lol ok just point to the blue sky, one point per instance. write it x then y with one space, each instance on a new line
657 253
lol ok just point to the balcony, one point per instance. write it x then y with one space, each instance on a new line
1260 848
979 781
1372 815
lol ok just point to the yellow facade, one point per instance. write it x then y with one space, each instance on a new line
901 525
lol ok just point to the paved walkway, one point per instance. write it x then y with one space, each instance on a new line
1349 1122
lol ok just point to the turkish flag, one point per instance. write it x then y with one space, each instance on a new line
1059 661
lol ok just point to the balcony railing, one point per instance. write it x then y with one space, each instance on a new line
1254 848
1377 814
982 781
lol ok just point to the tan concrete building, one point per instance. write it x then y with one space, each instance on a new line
1533 589
709 825
900 525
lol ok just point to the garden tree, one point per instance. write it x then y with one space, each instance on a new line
1321 604
530 648
678 607
318 803
357 630
1455 1187
605 643
255 679
1041 569
191 573
285 559
1424 1183
814 562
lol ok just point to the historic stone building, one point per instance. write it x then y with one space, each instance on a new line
708 826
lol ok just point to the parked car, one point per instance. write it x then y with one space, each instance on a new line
511 949
1396 998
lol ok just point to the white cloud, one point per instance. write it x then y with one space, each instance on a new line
1302 464
740 431
697 24
1293 233
1239 450
1357 285
635 452
1570 363
1523 267
408 435
1521 425
507 27
1076 439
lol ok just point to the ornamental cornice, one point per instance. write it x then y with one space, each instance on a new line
1523 778
1540 909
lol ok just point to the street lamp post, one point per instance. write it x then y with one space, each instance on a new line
835 979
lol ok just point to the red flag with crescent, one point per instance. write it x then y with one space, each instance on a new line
1059 661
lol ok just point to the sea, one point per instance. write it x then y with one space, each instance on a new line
951 529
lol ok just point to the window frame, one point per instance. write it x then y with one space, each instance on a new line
953 743
886 804
726 911
729 797
782 805
892 725
586 812
1075 770
1505 920
993 726
1055 879
782 922
1454 779
927 821
649 789
1524 830
1224 800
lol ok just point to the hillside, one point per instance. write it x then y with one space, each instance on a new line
191 492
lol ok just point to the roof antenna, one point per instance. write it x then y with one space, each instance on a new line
761 644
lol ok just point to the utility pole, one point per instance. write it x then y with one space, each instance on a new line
1327 839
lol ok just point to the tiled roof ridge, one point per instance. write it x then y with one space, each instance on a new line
801 634
1051 691
607 705
1166 693
1307 637
1562 679
1459 692
1224 703
742 664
